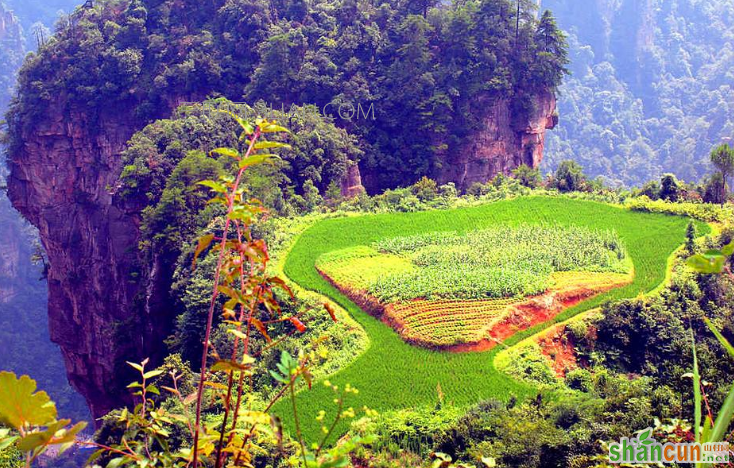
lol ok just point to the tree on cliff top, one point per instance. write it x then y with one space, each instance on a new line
428 76
722 157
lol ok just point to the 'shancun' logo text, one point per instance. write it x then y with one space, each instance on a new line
644 449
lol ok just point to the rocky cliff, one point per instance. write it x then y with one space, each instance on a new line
60 181
504 142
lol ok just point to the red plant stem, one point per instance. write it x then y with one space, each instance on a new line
221 457
213 302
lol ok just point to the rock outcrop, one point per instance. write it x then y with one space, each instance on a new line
504 142
60 181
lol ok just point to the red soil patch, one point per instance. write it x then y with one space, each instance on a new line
559 348
518 316
534 311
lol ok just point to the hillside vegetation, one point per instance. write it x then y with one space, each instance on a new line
428 70
650 90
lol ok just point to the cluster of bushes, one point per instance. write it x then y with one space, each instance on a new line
563 430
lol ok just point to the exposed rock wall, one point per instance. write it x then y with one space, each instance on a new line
60 180
504 142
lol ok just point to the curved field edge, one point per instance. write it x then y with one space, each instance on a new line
504 355
392 374
293 231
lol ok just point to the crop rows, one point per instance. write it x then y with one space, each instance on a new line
446 323
492 263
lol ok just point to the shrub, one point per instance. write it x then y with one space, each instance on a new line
527 176
579 379
569 177
670 188
425 189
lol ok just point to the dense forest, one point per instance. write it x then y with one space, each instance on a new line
241 273
650 90
430 73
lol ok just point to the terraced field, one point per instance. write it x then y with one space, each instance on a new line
469 292
394 374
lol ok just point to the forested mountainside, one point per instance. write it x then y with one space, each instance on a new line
438 81
24 333
651 86
231 286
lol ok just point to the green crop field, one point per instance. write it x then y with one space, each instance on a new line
392 374
483 264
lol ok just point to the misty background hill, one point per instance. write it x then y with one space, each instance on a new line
651 87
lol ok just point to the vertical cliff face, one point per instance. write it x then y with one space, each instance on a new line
60 181
505 141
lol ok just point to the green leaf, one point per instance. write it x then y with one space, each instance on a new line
246 126
204 242
70 434
723 419
728 250
271 144
115 462
338 462
237 333
135 366
724 342
55 434
279 377
226 365
232 153
151 374
272 128
697 399
707 264
257 159
6 442
215 186
19 404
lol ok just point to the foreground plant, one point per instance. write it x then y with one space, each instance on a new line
245 296
713 261
30 420
713 429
